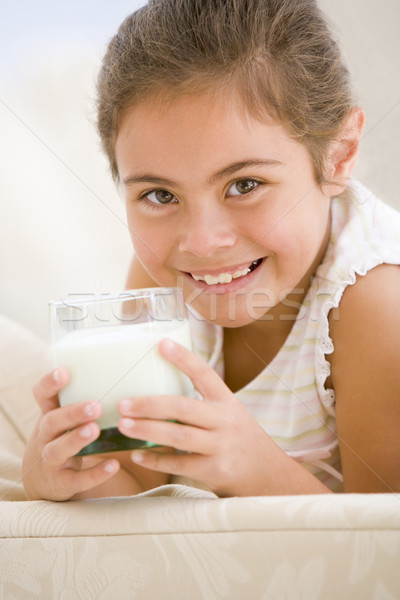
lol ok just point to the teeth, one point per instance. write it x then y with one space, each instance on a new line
222 277
241 273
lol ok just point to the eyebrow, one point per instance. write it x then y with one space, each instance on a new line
229 170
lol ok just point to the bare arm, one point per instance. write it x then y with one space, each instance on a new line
366 379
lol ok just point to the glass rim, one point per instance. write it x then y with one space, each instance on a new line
113 296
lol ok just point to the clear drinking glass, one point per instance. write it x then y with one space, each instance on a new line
109 343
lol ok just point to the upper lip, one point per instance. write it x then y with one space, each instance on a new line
223 269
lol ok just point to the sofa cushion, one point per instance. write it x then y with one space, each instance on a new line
175 542
25 358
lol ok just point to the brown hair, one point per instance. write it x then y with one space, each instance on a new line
279 54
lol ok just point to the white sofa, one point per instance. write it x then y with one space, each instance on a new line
179 542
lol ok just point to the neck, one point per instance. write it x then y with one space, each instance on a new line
248 350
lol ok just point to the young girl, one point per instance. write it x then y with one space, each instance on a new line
231 130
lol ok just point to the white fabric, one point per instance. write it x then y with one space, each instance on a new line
177 543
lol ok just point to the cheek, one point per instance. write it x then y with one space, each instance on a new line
299 233
280 240
149 250
273 225
147 244
153 249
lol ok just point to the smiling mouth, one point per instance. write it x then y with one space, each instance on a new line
222 278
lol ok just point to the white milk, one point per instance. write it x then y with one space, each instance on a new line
113 362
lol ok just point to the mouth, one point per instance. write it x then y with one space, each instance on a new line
229 275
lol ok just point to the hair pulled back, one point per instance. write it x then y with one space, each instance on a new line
278 54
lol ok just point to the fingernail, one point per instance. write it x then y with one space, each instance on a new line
111 466
126 404
86 432
56 375
137 457
168 344
90 409
127 423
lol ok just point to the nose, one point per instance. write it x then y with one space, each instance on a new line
206 231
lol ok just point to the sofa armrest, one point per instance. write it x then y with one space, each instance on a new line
177 542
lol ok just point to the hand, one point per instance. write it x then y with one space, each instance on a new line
50 468
229 451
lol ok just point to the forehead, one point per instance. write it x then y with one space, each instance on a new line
203 128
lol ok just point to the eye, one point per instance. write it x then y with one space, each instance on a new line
242 186
159 197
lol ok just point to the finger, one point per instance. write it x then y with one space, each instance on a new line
204 378
58 451
73 482
58 421
187 465
47 388
165 433
176 408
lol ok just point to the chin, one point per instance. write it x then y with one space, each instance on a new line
229 317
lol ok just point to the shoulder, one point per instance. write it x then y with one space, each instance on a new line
365 233
368 317
365 376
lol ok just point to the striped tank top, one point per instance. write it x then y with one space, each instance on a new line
289 398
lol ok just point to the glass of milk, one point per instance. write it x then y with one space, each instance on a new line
109 344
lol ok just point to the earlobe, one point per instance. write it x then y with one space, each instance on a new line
343 153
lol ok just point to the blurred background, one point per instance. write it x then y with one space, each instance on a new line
62 223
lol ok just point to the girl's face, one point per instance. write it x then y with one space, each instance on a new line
220 204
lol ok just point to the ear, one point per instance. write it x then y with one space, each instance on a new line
343 153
